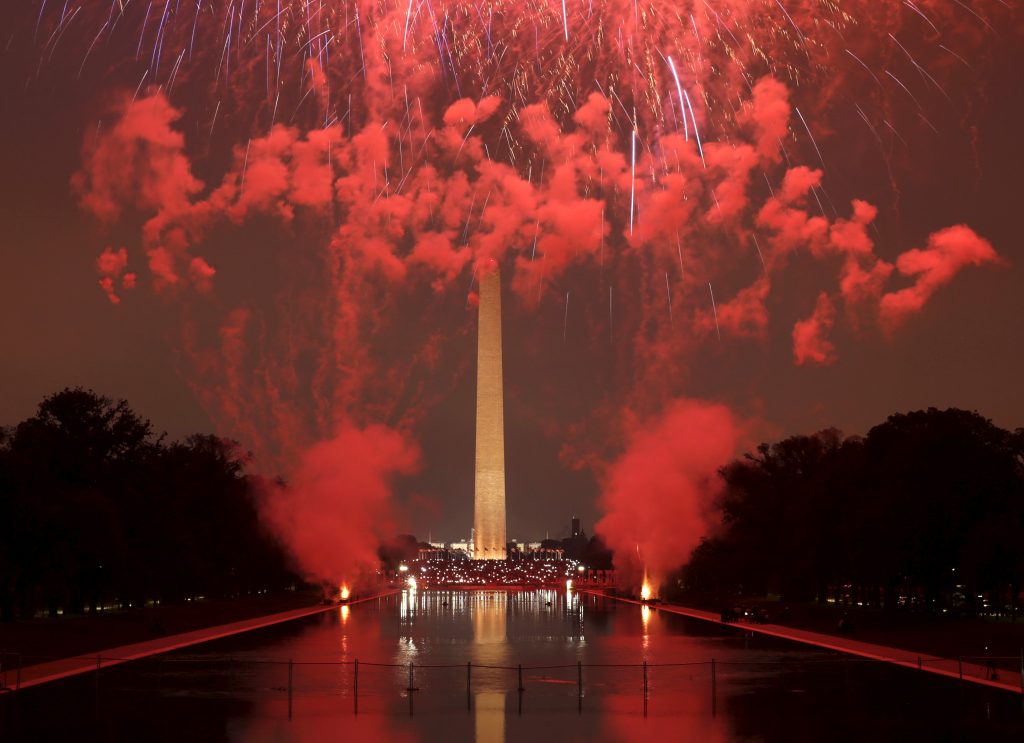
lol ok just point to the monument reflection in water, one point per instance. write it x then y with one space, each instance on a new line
424 618
490 625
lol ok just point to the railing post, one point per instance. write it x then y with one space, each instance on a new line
355 687
714 688
17 675
521 687
411 688
99 662
1022 678
579 676
960 667
645 688
469 685
290 671
919 662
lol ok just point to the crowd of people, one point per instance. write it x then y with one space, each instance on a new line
440 572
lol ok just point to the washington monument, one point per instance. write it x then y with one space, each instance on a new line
489 502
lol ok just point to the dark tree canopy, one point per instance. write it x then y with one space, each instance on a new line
929 506
96 509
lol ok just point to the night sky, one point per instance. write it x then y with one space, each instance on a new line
579 386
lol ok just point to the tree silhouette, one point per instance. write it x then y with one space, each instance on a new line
927 505
95 508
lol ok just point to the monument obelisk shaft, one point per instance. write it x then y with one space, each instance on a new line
489 502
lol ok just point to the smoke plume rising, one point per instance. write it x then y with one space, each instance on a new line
658 496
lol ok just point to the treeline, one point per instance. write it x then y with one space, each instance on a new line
96 509
925 511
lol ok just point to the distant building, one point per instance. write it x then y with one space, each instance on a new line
575 526
429 551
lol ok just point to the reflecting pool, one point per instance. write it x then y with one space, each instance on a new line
497 667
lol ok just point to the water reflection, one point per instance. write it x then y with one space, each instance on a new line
489 717
645 618
489 613
240 688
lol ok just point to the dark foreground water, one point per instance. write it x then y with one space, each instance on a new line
237 689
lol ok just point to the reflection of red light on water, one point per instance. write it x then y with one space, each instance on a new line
675 707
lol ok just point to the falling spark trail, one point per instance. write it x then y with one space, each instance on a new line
696 134
679 92
950 51
39 20
408 16
668 293
141 80
971 11
920 13
759 255
808 130
868 69
632 185
905 90
893 130
796 28
245 166
214 122
715 311
565 20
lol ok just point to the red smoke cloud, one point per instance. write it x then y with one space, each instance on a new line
111 267
810 337
658 495
948 251
139 163
336 510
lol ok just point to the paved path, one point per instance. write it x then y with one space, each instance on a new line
952 667
23 678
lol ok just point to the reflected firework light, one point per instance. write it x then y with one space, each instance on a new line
605 143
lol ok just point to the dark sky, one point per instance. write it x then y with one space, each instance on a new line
964 349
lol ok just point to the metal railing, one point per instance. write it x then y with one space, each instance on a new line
14 665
